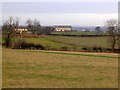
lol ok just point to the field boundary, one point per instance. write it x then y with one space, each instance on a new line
74 54
90 55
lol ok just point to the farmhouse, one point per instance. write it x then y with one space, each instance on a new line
21 29
62 28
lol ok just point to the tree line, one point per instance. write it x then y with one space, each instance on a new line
35 27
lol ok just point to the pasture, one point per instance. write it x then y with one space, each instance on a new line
58 69
66 43
76 33
71 43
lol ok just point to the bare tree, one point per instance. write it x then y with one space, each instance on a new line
112 29
8 29
98 30
16 22
36 25
29 22
33 25
47 30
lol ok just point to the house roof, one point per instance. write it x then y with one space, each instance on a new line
21 27
62 26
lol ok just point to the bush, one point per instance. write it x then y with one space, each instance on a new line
108 50
38 46
99 49
84 49
64 49
7 41
95 49
19 44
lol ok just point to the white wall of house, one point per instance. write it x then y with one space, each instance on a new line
62 29
21 30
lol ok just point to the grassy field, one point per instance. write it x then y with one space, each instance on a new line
76 33
47 43
72 43
43 69
80 41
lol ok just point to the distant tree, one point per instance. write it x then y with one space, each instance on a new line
29 23
36 26
33 25
8 30
7 40
112 29
119 34
46 30
8 25
16 22
98 30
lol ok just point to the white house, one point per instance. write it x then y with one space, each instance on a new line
21 29
62 28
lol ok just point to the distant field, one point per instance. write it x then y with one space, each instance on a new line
69 43
47 43
43 69
76 33
80 41
72 43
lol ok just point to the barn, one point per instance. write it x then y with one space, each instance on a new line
62 28
21 29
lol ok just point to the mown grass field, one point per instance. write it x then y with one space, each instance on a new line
76 33
80 41
72 43
55 69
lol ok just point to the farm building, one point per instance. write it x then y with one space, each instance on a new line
62 28
21 29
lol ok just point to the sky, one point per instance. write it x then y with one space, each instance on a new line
50 12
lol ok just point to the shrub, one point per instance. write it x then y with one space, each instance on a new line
38 46
64 48
108 50
97 49
18 44
84 49
7 41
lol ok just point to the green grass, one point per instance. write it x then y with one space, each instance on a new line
89 55
72 43
81 41
75 33
46 69
46 43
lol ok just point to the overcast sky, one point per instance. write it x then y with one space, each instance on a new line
67 13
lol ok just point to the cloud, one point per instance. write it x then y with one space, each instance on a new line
60 0
71 18
60 7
